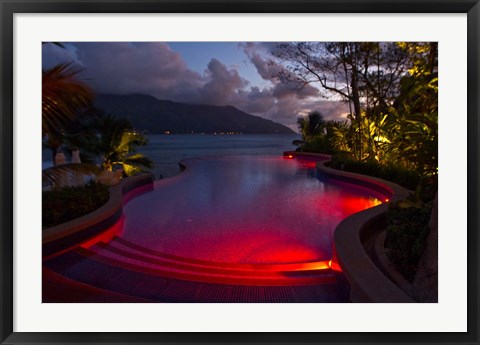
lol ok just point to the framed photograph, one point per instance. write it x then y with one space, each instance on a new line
239 172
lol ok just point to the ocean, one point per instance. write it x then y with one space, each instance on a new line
167 150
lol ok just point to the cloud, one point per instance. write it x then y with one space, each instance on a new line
289 98
150 68
157 70
223 84
258 101
331 110
265 68
282 90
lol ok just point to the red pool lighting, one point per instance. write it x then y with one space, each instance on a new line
247 210
115 230
235 220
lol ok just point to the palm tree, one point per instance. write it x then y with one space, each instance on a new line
116 144
311 125
63 94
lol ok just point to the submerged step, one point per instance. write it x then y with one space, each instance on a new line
130 261
136 252
108 276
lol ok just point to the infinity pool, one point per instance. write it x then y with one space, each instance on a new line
248 209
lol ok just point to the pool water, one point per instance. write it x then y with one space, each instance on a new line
244 209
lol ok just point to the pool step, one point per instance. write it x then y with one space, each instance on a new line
127 245
120 254
148 287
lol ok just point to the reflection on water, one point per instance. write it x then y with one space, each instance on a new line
252 209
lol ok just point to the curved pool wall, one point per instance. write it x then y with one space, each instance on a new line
63 237
367 282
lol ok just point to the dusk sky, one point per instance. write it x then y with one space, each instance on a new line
218 73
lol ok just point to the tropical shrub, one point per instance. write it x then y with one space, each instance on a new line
114 142
62 205
407 230
311 125
317 144
397 174
64 96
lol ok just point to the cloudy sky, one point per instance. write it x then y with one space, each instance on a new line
218 73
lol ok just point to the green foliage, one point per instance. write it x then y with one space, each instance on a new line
311 125
416 143
414 127
84 132
407 231
340 136
321 136
317 144
427 189
392 92
370 137
62 205
115 142
392 129
393 173
63 94
97 135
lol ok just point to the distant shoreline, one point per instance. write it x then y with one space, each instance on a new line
167 150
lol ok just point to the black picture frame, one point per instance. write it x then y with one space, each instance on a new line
10 7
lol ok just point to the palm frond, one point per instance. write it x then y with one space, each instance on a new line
139 159
131 139
131 169
54 175
58 44
63 94
115 142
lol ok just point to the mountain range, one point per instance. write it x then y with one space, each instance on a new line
147 113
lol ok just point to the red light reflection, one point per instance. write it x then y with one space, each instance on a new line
246 210
106 236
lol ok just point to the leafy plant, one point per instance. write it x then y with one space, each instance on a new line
407 230
394 173
63 94
115 143
392 93
311 125
62 205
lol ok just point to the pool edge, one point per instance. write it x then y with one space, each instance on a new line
367 281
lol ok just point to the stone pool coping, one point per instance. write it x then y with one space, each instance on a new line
367 282
63 237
